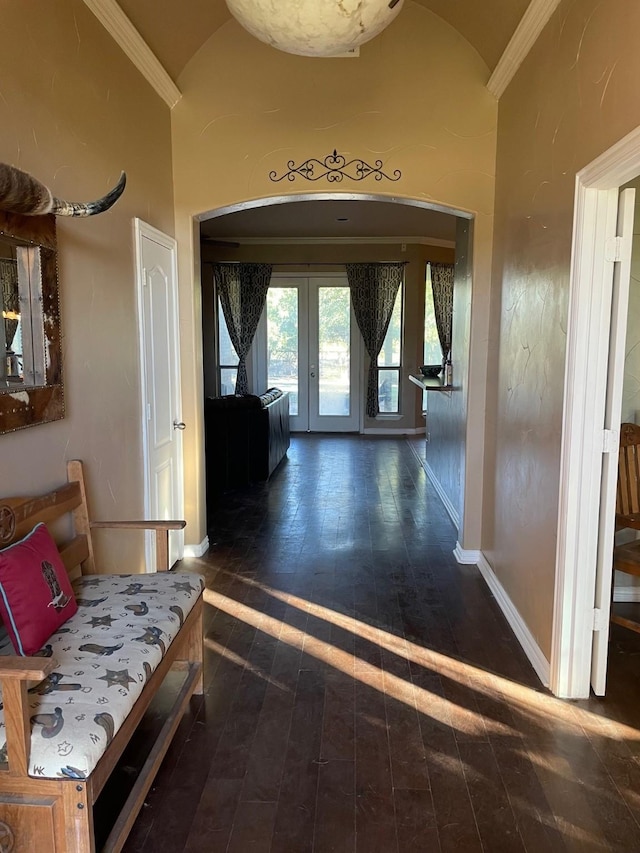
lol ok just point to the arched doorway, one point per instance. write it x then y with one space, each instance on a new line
230 220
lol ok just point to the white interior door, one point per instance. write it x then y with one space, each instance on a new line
311 348
615 380
160 370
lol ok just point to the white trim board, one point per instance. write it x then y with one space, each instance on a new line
268 201
446 502
444 497
120 28
197 550
466 557
517 624
533 22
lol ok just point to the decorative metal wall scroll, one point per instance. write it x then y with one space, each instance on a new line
334 168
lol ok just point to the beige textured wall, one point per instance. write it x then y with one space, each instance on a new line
415 98
74 112
575 95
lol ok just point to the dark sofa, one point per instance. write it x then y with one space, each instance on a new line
246 438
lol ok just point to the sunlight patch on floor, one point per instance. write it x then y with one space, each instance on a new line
531 703
240 661
429 704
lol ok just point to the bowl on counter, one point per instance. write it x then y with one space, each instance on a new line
431 371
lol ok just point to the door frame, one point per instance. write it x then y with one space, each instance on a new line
585 388
144 230
476 334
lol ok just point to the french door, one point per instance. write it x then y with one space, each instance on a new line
310 347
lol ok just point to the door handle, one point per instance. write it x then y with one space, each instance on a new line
179 425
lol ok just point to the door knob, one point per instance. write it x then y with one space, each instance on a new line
179 425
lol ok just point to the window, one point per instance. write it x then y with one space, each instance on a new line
227 357
389 362
432 352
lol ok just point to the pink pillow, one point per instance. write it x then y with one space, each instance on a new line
35 592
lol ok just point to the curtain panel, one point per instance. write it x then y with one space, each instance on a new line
243 292
442 286
374 288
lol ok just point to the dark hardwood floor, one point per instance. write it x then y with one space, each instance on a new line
364 692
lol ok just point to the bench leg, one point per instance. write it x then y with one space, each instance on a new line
194 648
78 819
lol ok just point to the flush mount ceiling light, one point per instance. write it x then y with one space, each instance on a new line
315 27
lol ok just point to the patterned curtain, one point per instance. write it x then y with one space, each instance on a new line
373 293
243 291
442 286
9 296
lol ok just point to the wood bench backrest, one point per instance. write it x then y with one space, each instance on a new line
19 515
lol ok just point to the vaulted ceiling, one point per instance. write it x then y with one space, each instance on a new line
175 31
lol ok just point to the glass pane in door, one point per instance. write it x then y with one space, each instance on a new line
334 328
282 342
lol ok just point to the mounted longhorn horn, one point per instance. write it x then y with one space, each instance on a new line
22 193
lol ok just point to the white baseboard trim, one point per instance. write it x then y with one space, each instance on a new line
444 497
120 28
518 625
465 556
197 550
386 431
626 593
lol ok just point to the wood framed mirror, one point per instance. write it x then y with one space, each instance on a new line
31 389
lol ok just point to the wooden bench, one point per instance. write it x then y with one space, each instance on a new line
44 815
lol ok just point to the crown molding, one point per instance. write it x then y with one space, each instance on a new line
532 23
342 241
114 20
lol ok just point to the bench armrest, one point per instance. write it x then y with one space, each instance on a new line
25 668
145 524
161 528
15 672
